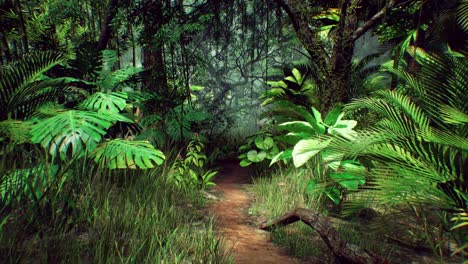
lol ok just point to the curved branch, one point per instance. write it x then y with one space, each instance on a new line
343 251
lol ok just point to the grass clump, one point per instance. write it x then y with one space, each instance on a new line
110 216
278 193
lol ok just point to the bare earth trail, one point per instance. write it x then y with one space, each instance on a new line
248 243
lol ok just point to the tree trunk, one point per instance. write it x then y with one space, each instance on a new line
106 30
23 26
343 251
154 77
5 48
341 61
334 73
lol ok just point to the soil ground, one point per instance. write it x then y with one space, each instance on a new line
249 244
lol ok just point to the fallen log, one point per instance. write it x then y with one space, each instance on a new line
343 251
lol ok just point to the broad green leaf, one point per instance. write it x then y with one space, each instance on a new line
196 88
333 116
317 115
245 163
349 124
344 132
272 152
75 132
334 194
298 127
110 80
297 75
347 180
255 156
318 124
264 142
125 154
114 102
283 155
242 156
353 166
292 79
307 148
277 84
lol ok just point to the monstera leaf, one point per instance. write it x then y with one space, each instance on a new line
74 132
123 154
114 102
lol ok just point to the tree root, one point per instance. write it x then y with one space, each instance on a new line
343 251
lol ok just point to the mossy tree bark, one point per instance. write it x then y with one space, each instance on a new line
333 72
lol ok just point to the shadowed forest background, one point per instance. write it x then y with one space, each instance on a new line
116 116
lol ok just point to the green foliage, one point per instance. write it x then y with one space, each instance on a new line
24 86
73 132
113 101
311 141
259 147
190 173
123 154
295 90
30 182
179 121
416 154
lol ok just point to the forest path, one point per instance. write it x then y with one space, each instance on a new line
249 244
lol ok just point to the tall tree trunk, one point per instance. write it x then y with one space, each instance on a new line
333 74
106 30
5 47
23 26
341 62
154 78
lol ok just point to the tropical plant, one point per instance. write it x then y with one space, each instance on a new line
24 85
190 172
417 153
67 135
288 98
333 175
260 146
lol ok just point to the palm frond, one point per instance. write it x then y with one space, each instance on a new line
112 80
16 131
21 80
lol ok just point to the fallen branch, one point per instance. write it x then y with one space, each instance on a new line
343 251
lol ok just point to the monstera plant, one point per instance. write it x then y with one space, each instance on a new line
29 108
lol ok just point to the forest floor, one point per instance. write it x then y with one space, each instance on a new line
236 228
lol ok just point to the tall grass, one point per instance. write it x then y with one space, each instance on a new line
280 192
104 216
284 190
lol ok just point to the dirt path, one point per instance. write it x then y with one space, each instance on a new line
248 243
